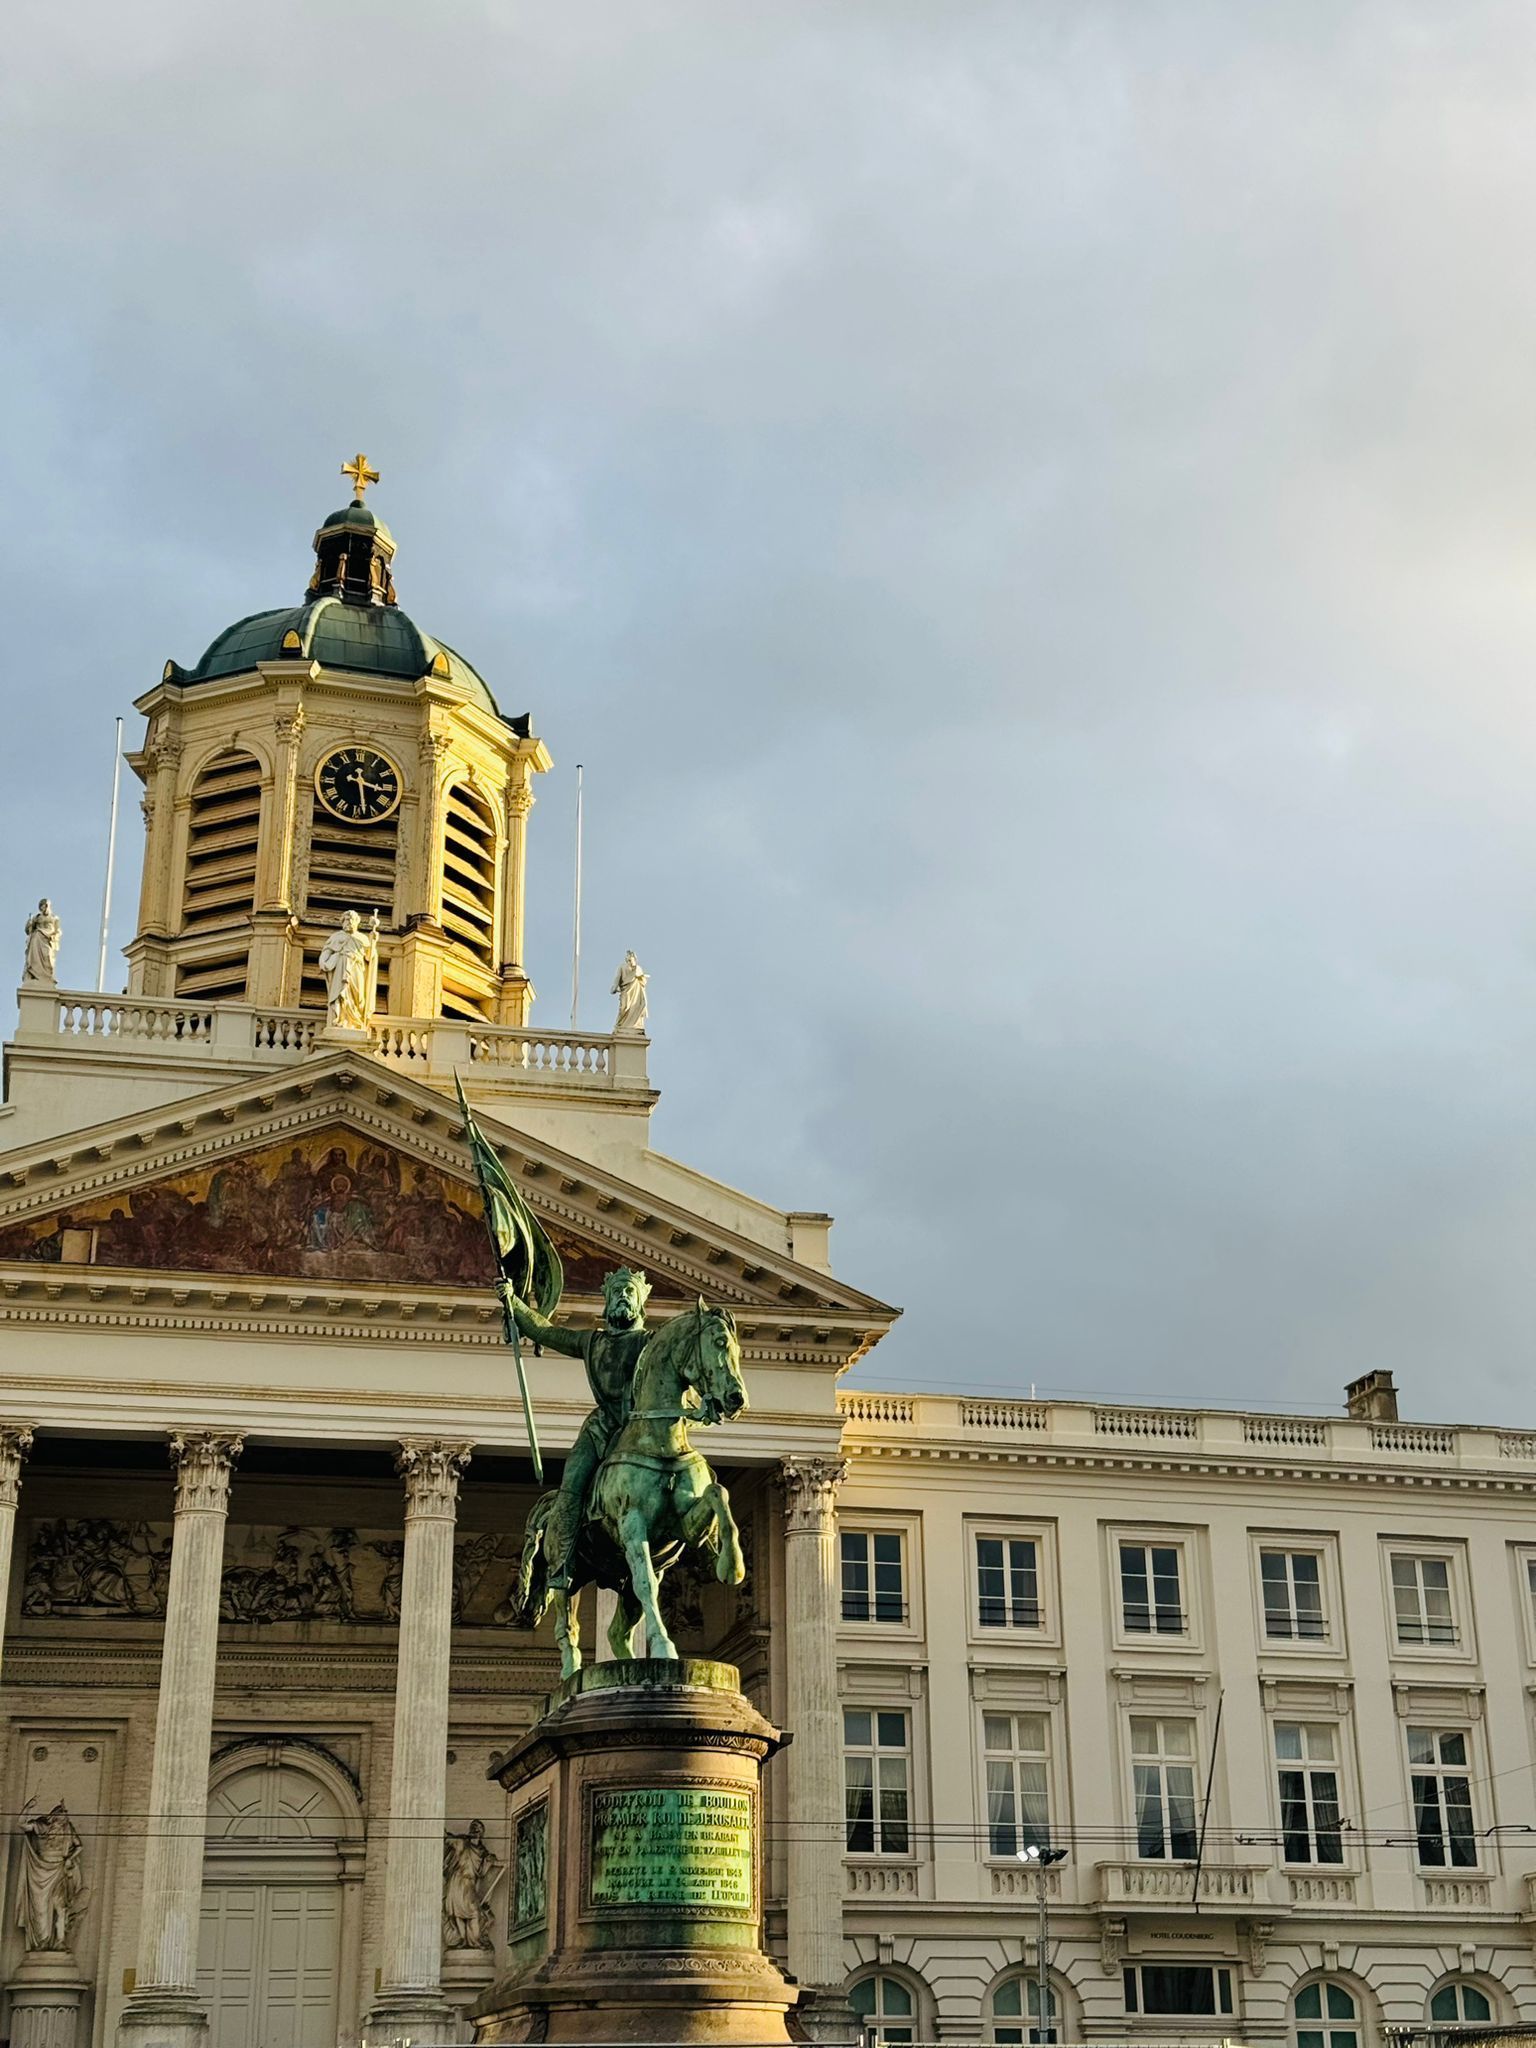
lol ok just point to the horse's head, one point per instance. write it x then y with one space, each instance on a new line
713 1367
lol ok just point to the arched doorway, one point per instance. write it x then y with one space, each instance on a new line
277 1946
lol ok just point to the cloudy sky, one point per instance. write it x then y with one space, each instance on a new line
1027 513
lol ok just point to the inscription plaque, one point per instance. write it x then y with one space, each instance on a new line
674 1845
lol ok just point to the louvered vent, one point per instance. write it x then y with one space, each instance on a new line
469 878
351 867
220 979
223 828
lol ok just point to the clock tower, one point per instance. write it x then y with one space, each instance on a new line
324 757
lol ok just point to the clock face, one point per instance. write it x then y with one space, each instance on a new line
358 784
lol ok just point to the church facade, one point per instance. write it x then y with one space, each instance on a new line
265 1469
1268 1681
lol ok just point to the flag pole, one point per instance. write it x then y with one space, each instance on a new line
576 913
508 1319
106 894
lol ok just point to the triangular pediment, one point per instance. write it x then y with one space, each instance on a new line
343 1172
336 1204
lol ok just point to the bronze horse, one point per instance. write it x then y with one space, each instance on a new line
652 1496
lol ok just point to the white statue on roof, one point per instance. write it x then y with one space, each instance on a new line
349 961
43 935
629 986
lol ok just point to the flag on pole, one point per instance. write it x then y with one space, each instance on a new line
525 1258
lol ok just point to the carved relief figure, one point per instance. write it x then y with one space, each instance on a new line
531 1879
43 935
629 985
349 960
111 1567
470 1875
97 1567
471 1555
52 1895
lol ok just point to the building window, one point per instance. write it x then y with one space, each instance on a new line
876 1777
1177 1988
1421 1599
1018 1779
874 1575
1460 2005
1017 2001
1163 1773
886 2008
1008 1582
1305 1753
1151 1601
1442 1797
1293 1595
1326 2016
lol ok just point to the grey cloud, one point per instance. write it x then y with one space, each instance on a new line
1024 512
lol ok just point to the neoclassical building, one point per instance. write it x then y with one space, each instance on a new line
1268 1681
264 1469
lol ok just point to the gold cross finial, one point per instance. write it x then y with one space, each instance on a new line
362 476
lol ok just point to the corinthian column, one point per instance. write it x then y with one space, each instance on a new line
816 1759
165 1993
14 1446
410 2000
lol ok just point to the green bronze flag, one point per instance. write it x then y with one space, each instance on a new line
528 1263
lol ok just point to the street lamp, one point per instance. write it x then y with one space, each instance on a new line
1042 1859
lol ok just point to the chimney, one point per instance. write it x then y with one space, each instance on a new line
1371 1398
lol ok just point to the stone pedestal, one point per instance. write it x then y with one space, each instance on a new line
468 1973
635 1912
46 1996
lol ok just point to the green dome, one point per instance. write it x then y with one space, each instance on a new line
375 640
357 518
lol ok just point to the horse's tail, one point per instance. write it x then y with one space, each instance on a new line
527 1599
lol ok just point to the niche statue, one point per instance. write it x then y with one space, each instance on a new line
51 1896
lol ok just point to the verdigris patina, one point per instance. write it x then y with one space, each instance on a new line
650 1494
634 1493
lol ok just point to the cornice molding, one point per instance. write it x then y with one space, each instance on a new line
419 1123
858 1450
222 1305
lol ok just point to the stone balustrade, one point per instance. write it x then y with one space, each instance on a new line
238 1034
1232 1438
1162 1885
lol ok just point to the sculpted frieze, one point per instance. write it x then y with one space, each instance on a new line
101 1568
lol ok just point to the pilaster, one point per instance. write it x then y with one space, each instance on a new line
515 996
815 1874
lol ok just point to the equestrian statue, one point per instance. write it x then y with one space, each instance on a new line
634 1494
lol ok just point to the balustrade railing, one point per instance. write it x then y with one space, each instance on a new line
1414 1438
1004 1414
1146 1422
1283 1429
132 1017
232 1032
571 1054
859 1407
290 1031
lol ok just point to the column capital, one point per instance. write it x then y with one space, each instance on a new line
430 1467
810 1488
15 1442
204 1459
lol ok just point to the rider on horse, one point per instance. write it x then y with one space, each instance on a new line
610 1354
